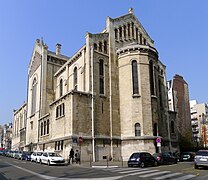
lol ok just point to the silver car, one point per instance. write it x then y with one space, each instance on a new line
201 159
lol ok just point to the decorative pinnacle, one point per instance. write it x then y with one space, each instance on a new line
131 11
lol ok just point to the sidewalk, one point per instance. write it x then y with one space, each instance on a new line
102 164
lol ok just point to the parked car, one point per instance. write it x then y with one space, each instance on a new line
16 154
2 152
187 156
35 156
142 159
165 158
201 159
26 156
51 158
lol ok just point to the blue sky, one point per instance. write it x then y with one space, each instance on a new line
179 29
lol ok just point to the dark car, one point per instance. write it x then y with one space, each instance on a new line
165 158
26 156
187 156
142 159
201 159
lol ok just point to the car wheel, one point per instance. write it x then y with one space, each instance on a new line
36 161
40 161
156 163
49 163
196 167
142 165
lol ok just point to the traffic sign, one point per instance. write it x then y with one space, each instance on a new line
158 140
80 140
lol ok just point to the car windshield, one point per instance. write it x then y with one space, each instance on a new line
39 154
202 153
54 155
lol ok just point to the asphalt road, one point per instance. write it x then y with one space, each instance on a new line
21 170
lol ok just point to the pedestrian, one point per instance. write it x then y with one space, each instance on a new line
71 156
77 157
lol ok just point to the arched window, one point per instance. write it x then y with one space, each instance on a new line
137 129
101 76
47 127
105 46
172 128
124 28
116 34
135 77
137 34
129 29
132 28
41 129
120 32
44 128
75 78
151 73
100 46
61 87
155 129
34 89
95 46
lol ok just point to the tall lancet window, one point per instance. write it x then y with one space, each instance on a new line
34 91
61 87
101 73
75 78
135 77
137 129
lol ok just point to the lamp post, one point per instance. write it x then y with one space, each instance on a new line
204 130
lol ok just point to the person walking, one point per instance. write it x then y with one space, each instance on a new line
71 156
77 157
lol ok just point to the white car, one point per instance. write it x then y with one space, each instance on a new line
51 158
35 156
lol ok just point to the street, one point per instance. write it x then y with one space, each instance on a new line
16 169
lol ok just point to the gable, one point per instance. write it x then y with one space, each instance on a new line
129 21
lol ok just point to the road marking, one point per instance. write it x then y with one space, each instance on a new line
167 176
156 173
55 178
185 177
104 166
136 170
143 172
120 169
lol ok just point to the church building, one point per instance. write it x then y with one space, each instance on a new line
108 99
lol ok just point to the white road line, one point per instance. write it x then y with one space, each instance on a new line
56 178
120 169
104 166
167 176
136 170
142 172
185 177
154 174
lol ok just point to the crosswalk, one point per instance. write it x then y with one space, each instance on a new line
151 173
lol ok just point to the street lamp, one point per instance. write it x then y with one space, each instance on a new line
204 130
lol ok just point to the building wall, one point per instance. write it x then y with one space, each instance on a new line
182 107
19 128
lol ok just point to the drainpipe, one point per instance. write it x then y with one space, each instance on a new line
93 130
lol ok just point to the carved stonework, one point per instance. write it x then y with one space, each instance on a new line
35 63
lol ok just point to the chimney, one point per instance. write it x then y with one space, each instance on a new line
58 49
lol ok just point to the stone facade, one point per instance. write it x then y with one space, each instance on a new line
19 128
111 94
